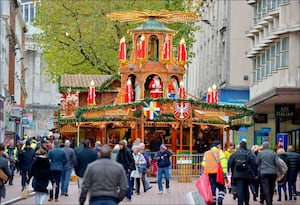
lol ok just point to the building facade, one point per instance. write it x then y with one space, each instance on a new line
42 95
12 93
220 54
274 51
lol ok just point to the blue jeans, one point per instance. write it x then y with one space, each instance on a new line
57 177
129 192
160 172
65 178
25 175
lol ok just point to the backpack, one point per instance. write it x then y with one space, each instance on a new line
241 161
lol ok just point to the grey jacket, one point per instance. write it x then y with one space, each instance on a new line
4 167
104 177
268 162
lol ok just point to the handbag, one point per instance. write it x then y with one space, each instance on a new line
50 186
30 188
25 193
204 188
3 176
142 168
220 173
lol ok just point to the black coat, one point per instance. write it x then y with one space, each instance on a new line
26 157
83 157
250 173
41 174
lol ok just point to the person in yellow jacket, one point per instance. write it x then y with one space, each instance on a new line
230 150
210 165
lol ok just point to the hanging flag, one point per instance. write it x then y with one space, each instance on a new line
122 49
151 109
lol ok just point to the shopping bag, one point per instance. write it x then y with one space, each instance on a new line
25 193
30 188
204 189
220 175
50 186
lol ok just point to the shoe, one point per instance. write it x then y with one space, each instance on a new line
126 199
10 183
168 190
279 199
56 200
285 197
150 187
137 193
66 194
23 188
295 198
50 199
160 192
220 203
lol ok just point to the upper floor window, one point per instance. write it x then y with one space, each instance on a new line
28 9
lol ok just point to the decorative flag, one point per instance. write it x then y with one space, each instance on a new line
182 51
182 110
122 49
166 51
91 100
151 109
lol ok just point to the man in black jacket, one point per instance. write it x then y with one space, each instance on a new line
244 168
84 156
293 168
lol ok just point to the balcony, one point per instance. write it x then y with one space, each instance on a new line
249 35
253 30
251 2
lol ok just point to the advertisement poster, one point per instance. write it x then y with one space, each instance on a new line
282 140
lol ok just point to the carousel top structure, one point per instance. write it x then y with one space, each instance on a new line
163 16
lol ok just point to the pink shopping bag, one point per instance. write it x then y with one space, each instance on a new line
204 189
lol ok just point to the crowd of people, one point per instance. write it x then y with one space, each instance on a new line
46 166
258 169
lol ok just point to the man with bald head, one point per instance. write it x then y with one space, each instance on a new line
68 167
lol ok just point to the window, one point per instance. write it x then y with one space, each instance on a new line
285 52
268 62
273 58
28 10
278 55
263 65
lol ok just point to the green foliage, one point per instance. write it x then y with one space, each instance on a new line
78 38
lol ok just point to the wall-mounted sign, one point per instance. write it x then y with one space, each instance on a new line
261 118
284 110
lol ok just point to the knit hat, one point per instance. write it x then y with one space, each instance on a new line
162 146
28 142
216 143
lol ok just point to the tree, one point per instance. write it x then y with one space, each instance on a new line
78 37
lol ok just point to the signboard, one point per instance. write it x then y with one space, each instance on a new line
282 140
261 118
284 110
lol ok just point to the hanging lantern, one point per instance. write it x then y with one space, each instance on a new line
91 94
182 52
122 50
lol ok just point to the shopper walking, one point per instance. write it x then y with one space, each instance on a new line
42 175
163 162
5 169
57 159
268 163
210 164
105 180
68 167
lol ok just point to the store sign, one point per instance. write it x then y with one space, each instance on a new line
284 110
261 118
